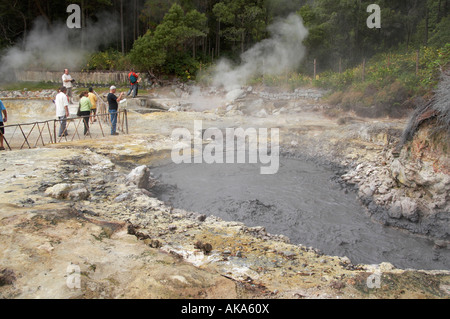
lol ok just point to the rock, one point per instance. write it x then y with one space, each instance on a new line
383 189
402 173
79 194
176 108
122 197
47 247
68 191
205 247
338 285
59 191
366 191
7 277
395 210
261 113
289 254
410 209
385 267
234 113
234 95
139 176
178 92
230 107
345 260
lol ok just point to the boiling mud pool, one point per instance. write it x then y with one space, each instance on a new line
301 202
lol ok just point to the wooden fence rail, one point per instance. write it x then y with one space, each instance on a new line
32 135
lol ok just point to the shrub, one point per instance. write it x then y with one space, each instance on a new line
110 60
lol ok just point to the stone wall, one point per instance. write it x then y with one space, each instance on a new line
93 78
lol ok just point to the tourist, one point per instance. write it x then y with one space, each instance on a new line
68 83
85 110
62 110
134 79
113 105
93 98
3 119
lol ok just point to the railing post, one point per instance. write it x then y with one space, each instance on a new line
126 121
54 130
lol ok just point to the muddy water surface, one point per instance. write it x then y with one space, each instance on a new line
301 202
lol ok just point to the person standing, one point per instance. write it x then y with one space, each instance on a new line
134 79
85 110
68 83
62 110
3 120
113 105
93 98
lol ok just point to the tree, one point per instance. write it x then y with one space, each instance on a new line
241 21
165 49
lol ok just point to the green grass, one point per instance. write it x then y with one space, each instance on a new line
29 86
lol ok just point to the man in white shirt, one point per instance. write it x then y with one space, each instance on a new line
67 83
62 110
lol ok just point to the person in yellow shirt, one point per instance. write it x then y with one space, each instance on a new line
85 108
93 98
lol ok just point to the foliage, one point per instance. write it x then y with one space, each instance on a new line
109 60
166 49
240 20
390 80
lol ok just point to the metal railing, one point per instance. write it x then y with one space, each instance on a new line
32 135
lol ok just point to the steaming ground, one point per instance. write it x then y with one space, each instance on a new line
281 52
58 47
128 244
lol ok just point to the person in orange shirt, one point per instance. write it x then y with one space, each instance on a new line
134 79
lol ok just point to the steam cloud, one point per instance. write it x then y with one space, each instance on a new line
282 51
57 47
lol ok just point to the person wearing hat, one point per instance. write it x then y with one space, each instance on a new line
113 105
68 83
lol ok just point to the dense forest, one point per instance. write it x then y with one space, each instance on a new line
179 37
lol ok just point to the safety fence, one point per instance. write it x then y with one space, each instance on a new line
36 134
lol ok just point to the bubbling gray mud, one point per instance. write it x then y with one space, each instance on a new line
301 202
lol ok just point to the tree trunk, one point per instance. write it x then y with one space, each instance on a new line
82 24
218 40
242 41
42 12
425 41
122 38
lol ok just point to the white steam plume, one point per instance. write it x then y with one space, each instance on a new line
281 52
53 48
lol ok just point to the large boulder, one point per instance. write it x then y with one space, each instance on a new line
140 176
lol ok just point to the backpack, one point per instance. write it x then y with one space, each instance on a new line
133 79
